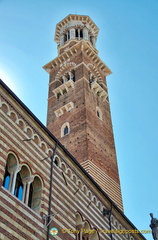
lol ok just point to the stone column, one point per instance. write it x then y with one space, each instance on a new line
61 39
24 190
72 33
93 41
15 171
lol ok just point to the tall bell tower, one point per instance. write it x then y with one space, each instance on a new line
78 105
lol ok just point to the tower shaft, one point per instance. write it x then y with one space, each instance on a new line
78 105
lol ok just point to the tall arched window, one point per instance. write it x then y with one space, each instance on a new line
11 171
79 226
36 194
20 183
65 129
18 191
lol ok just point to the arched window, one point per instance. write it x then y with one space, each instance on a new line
79 226
65 129
98 113
94 236
35 203
11 171
20 183
18 191
85 236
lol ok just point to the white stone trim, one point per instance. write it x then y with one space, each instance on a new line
66 124
67 107
98 89
65 86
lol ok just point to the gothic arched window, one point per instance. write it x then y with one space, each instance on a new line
65 129
18 191
35 201
11 170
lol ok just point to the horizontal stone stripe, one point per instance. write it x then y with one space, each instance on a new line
106 183
97 170
14 135
18 226
11 201
81 200
96 218
42 135
7 234
107 186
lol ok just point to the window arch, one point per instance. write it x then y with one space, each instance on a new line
79 221
94 235
11 170
35 201
65 129
20 182
99 113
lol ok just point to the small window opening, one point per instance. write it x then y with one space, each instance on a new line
76 33
98 113
56 162
66 130
81 33
65 37
91 39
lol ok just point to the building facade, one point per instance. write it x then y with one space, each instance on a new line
65 175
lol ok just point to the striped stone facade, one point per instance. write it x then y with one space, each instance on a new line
77 201
42 184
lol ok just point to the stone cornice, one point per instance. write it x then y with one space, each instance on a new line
66 56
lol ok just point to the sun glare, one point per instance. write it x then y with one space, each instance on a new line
7 80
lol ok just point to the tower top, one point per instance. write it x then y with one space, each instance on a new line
76 27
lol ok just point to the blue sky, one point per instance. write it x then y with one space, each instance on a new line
127 43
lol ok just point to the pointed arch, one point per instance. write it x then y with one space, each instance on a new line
65 129
36 139
5 108
69 172
29 132
57 161
35 200
22 124
13 116
11 170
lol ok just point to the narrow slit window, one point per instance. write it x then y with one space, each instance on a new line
66 130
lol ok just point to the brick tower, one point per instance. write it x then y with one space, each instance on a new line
78 105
